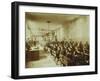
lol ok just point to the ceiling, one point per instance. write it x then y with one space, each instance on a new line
51 17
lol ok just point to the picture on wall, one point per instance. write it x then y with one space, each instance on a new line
51 40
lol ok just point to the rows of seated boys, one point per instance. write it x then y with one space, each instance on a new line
69 53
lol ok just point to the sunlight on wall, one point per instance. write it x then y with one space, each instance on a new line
78 30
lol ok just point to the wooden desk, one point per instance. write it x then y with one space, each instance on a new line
32 55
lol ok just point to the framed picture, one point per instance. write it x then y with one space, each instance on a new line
50 40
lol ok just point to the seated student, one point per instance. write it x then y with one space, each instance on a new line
27 46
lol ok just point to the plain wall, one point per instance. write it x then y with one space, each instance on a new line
77 30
